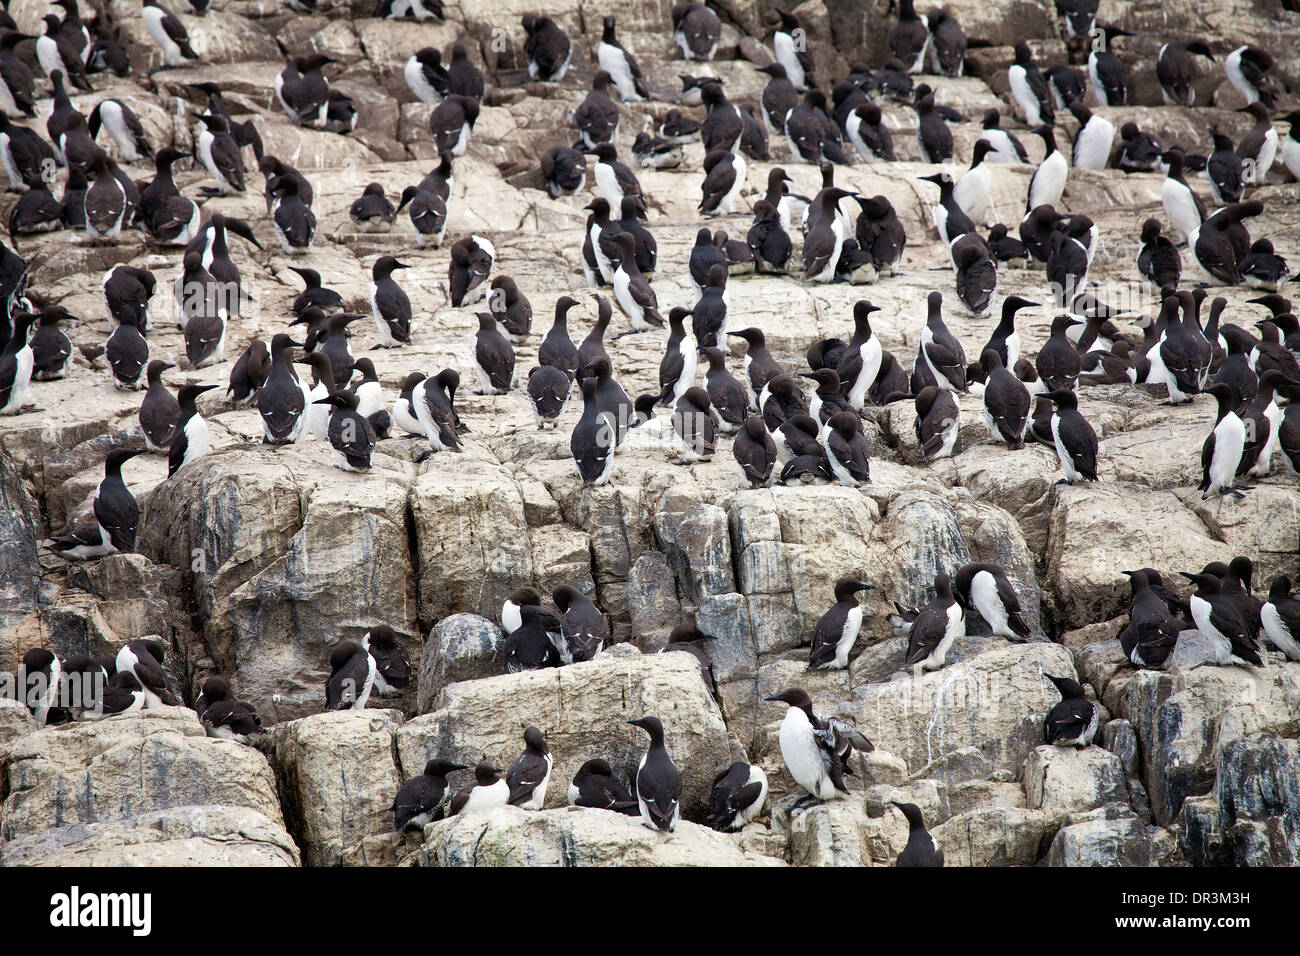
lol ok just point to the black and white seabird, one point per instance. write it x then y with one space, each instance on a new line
25 156
932 133
17 85
755 452
216 148
1057 362
909 38
547 48
595 786
985 587
50 345
548 392
392 661
190 439
116 514
737 796
490 790
976 272
938 420
1258 148
1139 152
1073 721
293 220
827 231
778 98
947 43
1223 448
949 219
1093 141
452 123
1262 268
126 351
655 152
471 264
634 294
597 116
1280 618
880 233
107 207
1219 619
390 304
1107 73
39 682
557 348
658 783
565 170
1030 88
1074 438
511 610
768 242
280 400
1185 210
709 317
695 424
1048 182
143 659
1158 261
847 449
1006 249
159 410
463 77
593 439
696 30
678 128
352 677
314 293
859 363
724 177
167 31
494 358
838 628
56 54
816 751
1006 401
417 10
583 628
371 211
620 65
727 395
1222 241
1247 70
352 435
1176 70
510 307
532 644
935 629
222 715
1152 630
424 798
922 848
1004 147
123 126
303 91
426 76
790 43
677 367
530 773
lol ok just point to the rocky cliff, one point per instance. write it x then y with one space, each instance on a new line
257 560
